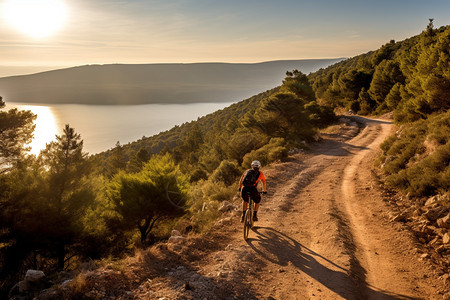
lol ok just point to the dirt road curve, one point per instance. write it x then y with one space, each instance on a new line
323 233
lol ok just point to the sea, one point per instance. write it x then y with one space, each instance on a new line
102 126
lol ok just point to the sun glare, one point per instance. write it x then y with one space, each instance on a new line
36 18
46 128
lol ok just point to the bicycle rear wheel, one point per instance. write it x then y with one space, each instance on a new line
247 223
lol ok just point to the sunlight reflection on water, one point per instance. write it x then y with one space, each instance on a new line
46 127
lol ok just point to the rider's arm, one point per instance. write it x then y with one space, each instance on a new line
240 181
263 179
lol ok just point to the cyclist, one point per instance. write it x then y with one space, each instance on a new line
248 183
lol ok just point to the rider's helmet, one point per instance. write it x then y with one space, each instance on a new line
256 164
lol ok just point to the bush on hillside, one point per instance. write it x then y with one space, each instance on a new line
198 174
205 200
242 143
416 160
158 192
275 150
227 172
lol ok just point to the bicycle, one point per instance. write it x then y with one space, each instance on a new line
248 216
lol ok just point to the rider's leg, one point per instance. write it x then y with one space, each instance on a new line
257 199
244 202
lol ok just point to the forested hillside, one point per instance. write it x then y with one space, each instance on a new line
411 79
62 207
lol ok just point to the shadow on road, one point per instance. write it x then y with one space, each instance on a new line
276 247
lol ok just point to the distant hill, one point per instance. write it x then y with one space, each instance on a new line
152 83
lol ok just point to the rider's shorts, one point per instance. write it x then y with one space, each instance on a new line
253 191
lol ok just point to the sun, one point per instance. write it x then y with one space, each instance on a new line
35 18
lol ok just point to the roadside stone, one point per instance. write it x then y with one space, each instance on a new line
446 238
175 233
222 274
416 213
444 222
34 276
48 294
223 221
435 213
430 201
398 218
19 288
226 206
129 294
427 229
176 240
434 241
66 283
295 151
34 281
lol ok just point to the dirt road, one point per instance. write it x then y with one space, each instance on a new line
324 233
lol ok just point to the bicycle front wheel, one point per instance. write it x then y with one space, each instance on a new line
247 223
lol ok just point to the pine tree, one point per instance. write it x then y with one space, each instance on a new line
386 75
66 194
116 161
142 199
16 130
138 160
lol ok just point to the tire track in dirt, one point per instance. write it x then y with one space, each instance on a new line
377 248
365 252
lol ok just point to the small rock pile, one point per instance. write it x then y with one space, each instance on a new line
431 225
33 283
176 241
429 220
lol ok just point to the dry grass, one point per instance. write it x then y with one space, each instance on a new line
333 129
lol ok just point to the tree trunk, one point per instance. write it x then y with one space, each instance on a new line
143 229
61 254
147 227
151 226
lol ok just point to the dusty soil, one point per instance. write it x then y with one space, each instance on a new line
323 233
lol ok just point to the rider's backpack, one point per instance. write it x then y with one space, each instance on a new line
250 177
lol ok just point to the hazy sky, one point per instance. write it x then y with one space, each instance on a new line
152 31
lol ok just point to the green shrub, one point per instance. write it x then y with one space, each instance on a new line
197 175
417 159
275 150
205 200
227 172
